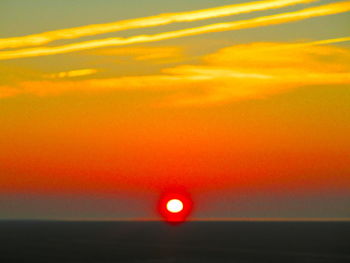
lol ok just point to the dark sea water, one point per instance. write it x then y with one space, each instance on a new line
32 241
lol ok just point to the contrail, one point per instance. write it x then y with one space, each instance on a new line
158 20
329 9
326 41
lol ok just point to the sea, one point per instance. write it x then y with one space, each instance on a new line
156 241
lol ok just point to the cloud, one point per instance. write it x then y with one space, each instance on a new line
155 54
240 72
266 69
158 20
73 73
329 9
323 10
326 41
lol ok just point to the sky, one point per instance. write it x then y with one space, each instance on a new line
106 104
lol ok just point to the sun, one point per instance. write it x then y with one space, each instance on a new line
174 206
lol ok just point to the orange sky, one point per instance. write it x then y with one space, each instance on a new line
226 101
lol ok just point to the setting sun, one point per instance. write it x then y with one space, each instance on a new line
174 206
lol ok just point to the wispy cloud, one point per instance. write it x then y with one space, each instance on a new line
144 53
280 67
73 73
240 72
324 42
158 20
329 9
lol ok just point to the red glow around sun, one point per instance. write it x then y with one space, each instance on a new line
175 206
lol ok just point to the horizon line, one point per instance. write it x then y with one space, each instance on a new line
217 219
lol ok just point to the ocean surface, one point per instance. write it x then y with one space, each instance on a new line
41 241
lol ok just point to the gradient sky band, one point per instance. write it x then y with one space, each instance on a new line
329 9
158 20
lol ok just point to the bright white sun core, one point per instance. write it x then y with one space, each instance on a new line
174 206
